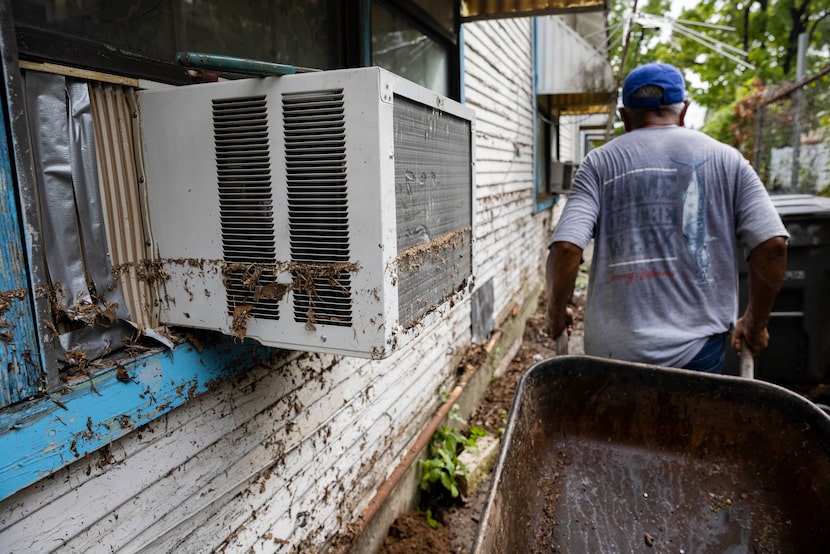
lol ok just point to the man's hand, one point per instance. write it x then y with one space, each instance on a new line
561 269
752 336
559 322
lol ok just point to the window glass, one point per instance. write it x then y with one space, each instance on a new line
143 26
545 154
441 10
298 32
406 51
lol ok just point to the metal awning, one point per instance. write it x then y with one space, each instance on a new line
573 76
575 104
498 9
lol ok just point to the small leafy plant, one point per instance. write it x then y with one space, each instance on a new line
503 416
443 470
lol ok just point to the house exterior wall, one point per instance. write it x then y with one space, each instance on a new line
499 86
285 456
814 168
573 136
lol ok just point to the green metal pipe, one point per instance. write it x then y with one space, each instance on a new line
229 63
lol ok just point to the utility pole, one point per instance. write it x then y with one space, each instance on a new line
610 126
798 97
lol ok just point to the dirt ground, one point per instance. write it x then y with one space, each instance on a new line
410 533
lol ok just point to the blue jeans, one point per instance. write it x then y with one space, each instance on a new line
712 357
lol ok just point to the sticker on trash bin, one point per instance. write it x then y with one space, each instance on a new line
795 275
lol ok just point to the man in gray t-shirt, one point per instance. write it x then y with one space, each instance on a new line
669 209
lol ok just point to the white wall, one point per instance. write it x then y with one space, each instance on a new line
288 452
814 168
572 136
499 86
286 456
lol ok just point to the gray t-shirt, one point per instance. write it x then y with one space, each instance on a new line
669 209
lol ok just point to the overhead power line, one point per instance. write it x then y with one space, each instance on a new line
681 27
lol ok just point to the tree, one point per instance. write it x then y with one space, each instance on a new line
767 30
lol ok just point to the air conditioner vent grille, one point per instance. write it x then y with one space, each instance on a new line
244 287
243 169
329 300
318 219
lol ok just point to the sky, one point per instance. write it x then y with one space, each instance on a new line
695 114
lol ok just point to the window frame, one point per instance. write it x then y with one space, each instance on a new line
427 24
543 197
55 425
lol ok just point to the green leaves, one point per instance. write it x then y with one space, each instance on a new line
443 464
767 30
443 467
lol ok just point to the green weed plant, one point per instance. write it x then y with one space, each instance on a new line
443 469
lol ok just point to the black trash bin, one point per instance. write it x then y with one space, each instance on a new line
799 348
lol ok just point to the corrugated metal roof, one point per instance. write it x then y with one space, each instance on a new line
577 103
573 76
499 9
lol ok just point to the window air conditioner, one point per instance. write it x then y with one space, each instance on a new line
561 176
568 170
555 180
326 212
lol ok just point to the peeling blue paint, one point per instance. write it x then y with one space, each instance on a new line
40 436
18 343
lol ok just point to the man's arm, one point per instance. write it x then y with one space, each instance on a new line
560 276
767 264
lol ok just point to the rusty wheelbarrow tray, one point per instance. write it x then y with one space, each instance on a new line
604 456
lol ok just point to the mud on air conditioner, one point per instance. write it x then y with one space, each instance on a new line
327 211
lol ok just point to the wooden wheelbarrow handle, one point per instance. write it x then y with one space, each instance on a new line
746 363
562 343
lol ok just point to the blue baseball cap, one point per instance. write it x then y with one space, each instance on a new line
662 75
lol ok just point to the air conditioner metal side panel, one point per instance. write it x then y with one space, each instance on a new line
434 176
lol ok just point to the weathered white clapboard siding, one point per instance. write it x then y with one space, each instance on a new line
284 457
279 441
499 86
386 428
568 139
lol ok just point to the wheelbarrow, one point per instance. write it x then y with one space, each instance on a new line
610 457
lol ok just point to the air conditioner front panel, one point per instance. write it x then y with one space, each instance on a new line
186 212
336 206
208 166
194 294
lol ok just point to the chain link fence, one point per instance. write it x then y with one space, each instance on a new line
791 143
